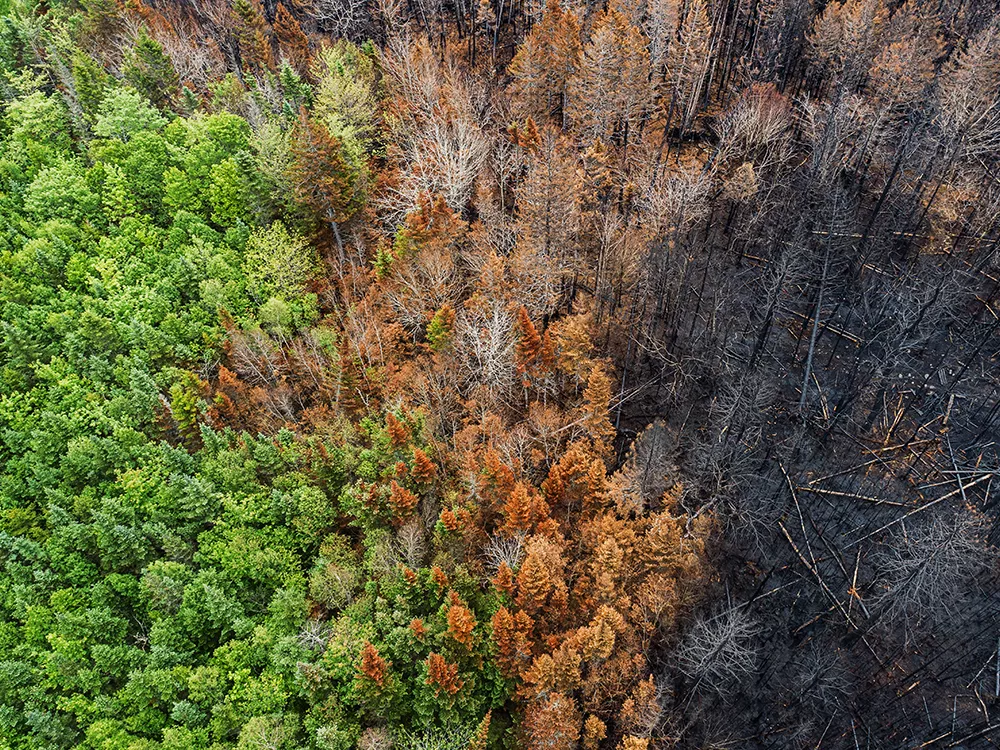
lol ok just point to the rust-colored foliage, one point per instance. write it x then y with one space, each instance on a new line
578 481
322 178
552 724
423 468
433 225
450 521
291 39
641 711
544 62
399 433
442 675
480 736
594 730
402 502
533 584
497 480
440 579
461 621
250 30
596 399
529 345
373 667
504 579
511 634
519 510
418 628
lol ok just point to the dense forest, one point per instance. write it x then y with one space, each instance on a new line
453 375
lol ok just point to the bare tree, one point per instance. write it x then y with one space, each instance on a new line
924 573
342 18
720 651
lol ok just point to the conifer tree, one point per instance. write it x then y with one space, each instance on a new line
323 179
511 635
291 39
150 71
609 93
250 30
442 675
544 62
519 510
402 502
529 346
423 468
373 667
552 723
596 402
461 621
399 433
481 735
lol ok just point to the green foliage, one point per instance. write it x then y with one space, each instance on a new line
278 263
168 583
440 328
346 98
149 70
89 80
61 192
123 113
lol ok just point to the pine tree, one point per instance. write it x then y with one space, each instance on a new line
594 730
423 468
481 735
609 94
323 179
373 667
553 723
641 711
149 70
548 216
291 39
496 481
596 401
399 433
511 633
442 675
503 581
402 502
440 579
597 640
534 583
441 328
418 629
250 31
544 62
578 481
461 621
519 511
449 520
529 345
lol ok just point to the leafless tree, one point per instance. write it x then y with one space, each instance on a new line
412 541
342 18
720 651
504 549
314 635
925 572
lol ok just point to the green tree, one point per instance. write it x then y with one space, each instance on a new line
277 263
323 178
125 112
150 71
61 192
